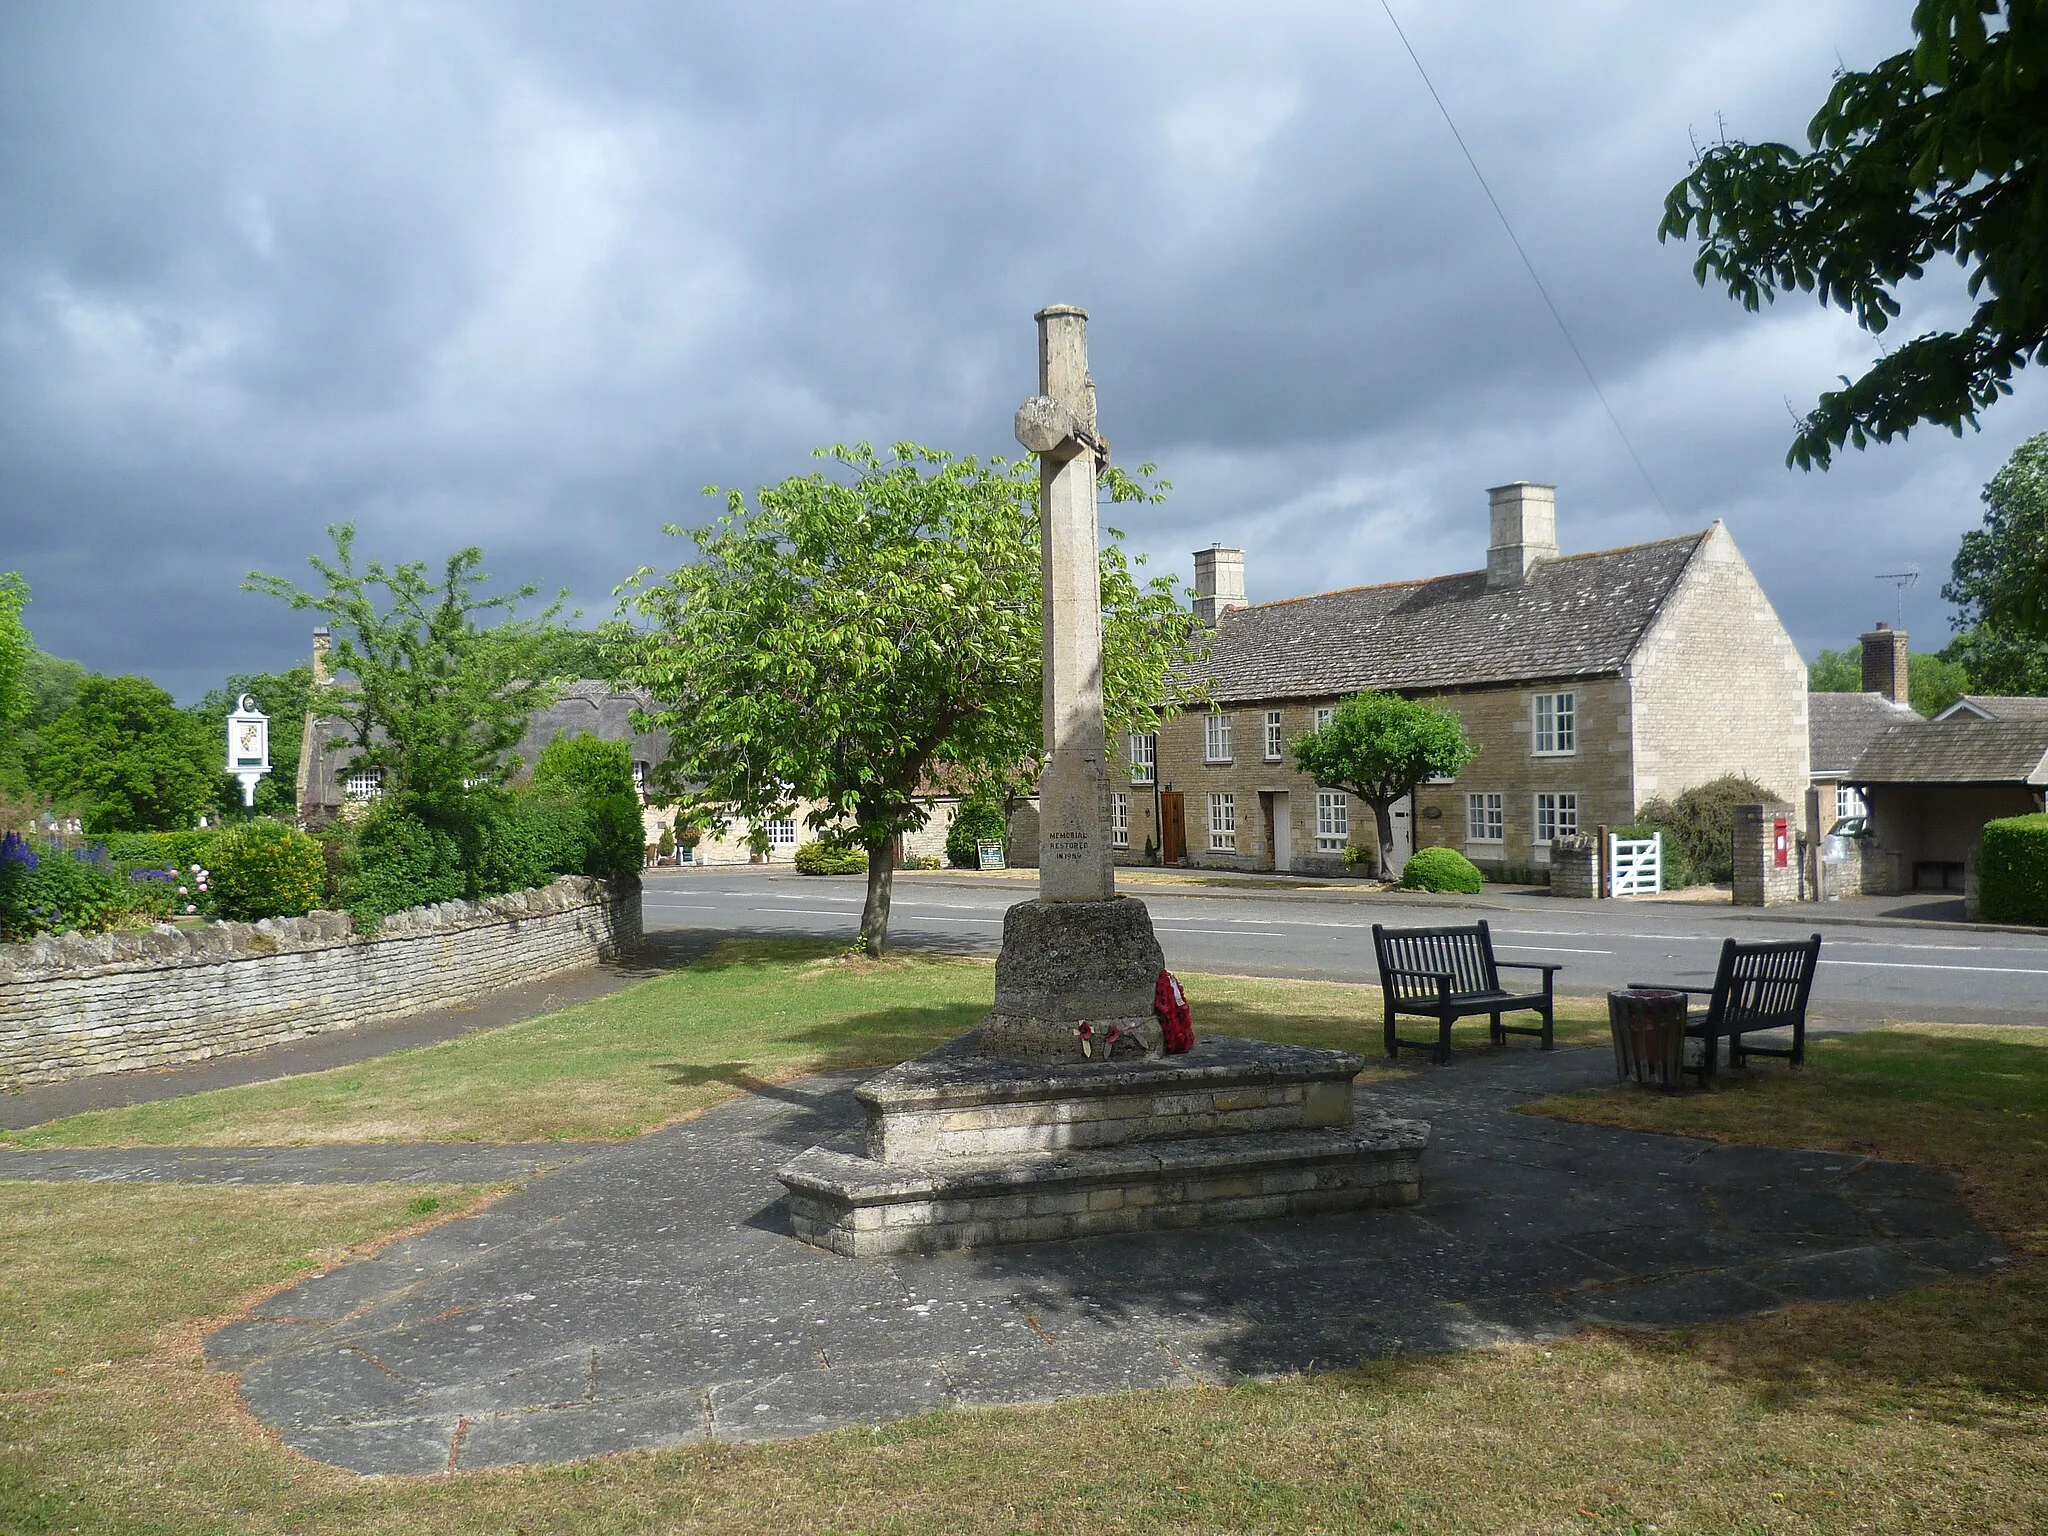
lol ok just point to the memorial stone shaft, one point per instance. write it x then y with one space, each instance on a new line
1058 425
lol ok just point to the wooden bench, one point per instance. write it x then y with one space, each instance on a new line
1757 987
1449 974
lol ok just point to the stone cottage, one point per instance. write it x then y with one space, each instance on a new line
1589 684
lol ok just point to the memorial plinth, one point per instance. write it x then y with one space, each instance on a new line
1061 1116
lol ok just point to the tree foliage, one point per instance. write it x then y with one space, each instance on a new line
16 647
1934 152
442 677
1999 581
1379 746
128 758
853 631
1933 682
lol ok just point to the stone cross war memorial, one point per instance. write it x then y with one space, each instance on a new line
1063 1115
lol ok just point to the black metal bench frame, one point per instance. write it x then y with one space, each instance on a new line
1449 974
1757 987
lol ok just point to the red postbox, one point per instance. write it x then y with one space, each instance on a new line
1781 842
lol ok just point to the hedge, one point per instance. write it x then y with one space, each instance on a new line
830 859
2012 870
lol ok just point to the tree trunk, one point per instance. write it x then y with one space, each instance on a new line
1383 824
874 916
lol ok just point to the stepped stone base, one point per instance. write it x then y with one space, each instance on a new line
859 1207
964 1151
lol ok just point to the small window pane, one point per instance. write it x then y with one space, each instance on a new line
1216 739
1144 754
1119 820
1484 818
1333 820
1223 823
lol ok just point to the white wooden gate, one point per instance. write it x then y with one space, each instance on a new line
1635 865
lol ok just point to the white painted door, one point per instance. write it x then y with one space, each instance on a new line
1283 833
1404 831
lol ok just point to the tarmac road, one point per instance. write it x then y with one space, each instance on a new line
1870 972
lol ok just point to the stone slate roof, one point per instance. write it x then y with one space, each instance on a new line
1577 616
1996 706
1839 726
1957 752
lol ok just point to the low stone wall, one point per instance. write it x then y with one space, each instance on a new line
1575 868
1760 881
82 1004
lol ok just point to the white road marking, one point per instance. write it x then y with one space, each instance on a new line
1552 949
1228 933
1922 965
799 912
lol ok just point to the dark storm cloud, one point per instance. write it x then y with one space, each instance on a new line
529 276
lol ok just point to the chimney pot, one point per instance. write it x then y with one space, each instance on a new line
323 645
1524 531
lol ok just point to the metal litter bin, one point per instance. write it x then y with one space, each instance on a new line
1649 1036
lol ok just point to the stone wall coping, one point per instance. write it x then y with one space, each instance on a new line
954 1077
852 1180
71 956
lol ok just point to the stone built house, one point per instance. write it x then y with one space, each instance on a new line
1925 788
1589 684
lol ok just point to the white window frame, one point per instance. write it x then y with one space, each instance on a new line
1485 816
1554 724
1849 801
1223 822
780 832
1557 815
364 784
1325 714
1216 728
1119 819
640 780
1272 735
1333 820
1144 758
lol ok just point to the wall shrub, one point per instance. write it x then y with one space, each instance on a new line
977 821
1441 869
266 869
1678 871
399 862
132 851
2012 870
598 774
825 858
1701 825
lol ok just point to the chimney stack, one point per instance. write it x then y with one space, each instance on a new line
1219 582
323 645
1884 663
1524 531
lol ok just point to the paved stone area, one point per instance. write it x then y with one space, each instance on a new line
646 1295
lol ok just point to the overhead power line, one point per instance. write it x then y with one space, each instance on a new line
1555 314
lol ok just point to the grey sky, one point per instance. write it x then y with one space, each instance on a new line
530 276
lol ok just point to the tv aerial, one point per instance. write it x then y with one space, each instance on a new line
1910 577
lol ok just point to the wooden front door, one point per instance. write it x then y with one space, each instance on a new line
1173 830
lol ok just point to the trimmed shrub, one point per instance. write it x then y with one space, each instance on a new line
2012 870
266 869
1441 869
1700 825
598 774
56 890
829 858
399 862
977 821
132 851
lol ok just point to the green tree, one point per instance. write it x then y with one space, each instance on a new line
1933 680
284 697
442 679
129 758
1379 746
844 637
1934 152
598 775
16 647
1999 581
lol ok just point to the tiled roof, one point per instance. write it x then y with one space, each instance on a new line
1579 616
1840 725
1997 706
1957 752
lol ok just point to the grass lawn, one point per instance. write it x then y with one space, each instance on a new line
1925 1412
753 1013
